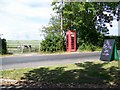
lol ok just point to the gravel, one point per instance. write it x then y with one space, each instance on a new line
7 83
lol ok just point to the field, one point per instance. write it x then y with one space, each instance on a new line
13 44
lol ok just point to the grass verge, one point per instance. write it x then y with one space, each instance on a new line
98 73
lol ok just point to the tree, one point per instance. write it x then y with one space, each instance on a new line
85 17
54 40
106 13
53 27
95 10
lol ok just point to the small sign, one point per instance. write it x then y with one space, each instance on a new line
72 35
109 51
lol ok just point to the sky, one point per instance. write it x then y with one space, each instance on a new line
114 30
23 19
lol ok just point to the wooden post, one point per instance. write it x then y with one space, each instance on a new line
39 46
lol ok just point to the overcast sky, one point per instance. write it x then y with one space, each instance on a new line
23 19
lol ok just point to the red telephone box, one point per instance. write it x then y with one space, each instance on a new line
71 41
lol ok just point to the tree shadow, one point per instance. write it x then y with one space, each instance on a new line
96 74
86 75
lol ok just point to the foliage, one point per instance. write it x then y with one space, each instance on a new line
87 19
53 27
77 14
52 43
3 46
88 47
108 11
54 40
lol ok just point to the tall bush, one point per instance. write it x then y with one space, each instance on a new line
52 43
87 46
3 46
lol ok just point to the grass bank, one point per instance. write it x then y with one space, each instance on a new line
97 73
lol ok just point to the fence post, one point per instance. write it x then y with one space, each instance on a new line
39 46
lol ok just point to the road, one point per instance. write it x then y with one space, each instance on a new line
36 60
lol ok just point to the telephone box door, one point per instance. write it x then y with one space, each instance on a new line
70 41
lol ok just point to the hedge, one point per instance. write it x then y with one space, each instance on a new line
3 46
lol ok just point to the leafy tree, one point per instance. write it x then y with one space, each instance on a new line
54 40
95 10
53 27
106 13
85 18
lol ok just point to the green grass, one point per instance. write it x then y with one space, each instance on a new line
98 72
13 44
89 50
23 42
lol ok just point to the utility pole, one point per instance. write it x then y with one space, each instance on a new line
61 15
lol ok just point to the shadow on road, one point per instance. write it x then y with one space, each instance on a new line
89 75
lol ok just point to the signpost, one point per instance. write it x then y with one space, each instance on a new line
109 51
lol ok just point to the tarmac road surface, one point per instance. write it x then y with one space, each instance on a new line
37 60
